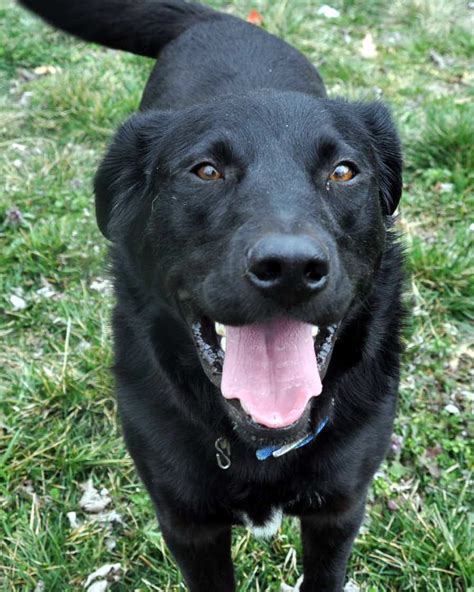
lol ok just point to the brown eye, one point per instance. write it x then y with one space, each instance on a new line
343 172
207 172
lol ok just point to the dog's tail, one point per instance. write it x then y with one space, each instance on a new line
142 27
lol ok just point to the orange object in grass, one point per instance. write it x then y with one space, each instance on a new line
254 17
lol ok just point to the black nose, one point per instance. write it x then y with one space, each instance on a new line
288 268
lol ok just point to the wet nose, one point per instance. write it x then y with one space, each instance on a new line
288 268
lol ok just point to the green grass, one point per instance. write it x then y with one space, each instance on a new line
58 425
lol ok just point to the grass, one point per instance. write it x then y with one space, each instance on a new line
58 425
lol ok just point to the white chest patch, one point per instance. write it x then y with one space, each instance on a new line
268 528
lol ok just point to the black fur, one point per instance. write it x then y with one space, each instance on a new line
227 92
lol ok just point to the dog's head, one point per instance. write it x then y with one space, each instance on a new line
261 221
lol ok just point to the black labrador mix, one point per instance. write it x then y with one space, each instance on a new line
258 285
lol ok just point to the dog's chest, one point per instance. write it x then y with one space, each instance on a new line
266 527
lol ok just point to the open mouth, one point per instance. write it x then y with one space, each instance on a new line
267 372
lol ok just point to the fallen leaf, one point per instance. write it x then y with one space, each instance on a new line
99 586
462 100
18 147
434 451
101 285
452 409
103 576
44 70
464 350
26 75
296 588
92 501
111 517
17 302
444 187
396 445
437 59
255 18
13 217
392 505
368 48
328 12
47 291
73 521
25 98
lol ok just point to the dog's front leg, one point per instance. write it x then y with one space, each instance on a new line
204 558
326 548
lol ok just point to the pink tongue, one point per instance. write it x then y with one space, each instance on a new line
271 367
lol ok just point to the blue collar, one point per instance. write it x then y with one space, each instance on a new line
276 451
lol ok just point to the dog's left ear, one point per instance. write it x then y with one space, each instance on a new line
387 152
121 182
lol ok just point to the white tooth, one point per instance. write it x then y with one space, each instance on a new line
223 343
314 330
220 329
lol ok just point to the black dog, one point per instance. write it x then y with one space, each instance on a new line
243 205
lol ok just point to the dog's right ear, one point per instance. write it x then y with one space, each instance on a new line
122 179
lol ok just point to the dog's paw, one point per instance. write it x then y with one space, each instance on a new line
286 588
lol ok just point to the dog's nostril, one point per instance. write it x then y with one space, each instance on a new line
314 271
268 270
